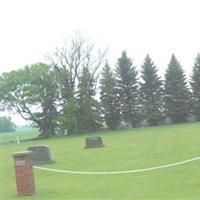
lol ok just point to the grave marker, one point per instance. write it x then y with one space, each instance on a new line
41 154
93 142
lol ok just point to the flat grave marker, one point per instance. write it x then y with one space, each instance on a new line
93 142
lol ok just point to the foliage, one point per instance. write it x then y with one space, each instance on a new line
63 95
109 99
69 62
6 125
69 118
195 86
151 92
127 85
177 101
88 108
32 92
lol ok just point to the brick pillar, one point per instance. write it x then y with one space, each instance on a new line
24 173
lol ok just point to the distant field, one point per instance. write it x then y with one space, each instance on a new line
23 134
125 150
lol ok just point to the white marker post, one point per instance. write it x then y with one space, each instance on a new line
18 140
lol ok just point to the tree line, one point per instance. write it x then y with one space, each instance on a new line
79 91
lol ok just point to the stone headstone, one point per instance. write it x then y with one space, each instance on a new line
41 154
93 142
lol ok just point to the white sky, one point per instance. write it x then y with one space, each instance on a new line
29 29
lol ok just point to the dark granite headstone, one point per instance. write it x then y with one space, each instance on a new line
41 154
92 142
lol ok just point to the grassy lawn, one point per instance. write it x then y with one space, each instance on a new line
125 150
23 134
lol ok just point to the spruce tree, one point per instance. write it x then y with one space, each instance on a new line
127 86
88 111
195 86
177 103
151 92
109 98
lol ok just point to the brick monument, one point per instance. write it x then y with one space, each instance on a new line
24 173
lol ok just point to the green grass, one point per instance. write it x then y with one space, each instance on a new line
125 150
23 134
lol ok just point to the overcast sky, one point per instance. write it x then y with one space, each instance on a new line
32 28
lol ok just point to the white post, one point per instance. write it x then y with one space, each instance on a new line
18 140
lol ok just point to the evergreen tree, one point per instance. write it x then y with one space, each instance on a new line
151 92
88 112
127 86
177 103
68 119
195 86
109 98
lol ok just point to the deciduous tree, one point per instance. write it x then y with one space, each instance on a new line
32 92
69 61
6 125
